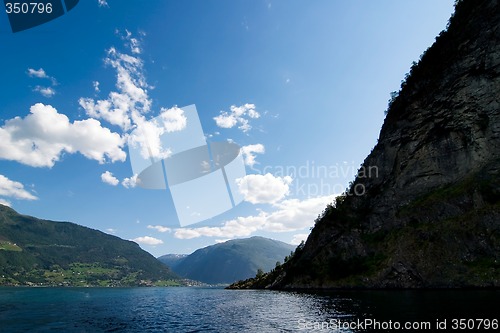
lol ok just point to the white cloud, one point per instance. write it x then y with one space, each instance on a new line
298 238
290 215
219 241
159 228
173 119
295 214
44 135
237 115
147 240
147 137
225 121
130 102
133 43
5 202
39 73
128 106
248 153
102 3
96 84
134 46
13 189
130 182
111 231
102 109
108 178
148 133
264 188
45 91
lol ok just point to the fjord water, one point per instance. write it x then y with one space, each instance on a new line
219 310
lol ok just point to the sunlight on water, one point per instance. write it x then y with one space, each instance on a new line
218 310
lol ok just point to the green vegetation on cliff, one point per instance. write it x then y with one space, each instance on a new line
431 216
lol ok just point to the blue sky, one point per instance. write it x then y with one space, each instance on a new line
301 86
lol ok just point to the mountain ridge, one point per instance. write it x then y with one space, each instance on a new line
172 259
42 252
232 260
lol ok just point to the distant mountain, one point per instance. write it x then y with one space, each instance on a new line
40 252
233 260
172 260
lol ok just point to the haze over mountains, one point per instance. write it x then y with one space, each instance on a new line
430 216
38 252
229 261
172 260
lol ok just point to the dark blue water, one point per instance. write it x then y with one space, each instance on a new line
219 310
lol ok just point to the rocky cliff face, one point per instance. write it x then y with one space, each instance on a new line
429 213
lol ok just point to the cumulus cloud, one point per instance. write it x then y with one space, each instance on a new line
290 215
264 188
250 151
128 106
133 43
131 101
147 240
102 3
108 178
225 121
13 189
45 91
238 115
130 182
298 238
41 138
295 214
39 73
172 120
96 84
5 202
159 228
147 135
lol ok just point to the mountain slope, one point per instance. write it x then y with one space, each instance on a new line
428 215
34 251
233 260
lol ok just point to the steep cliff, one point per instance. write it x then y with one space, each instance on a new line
424 211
